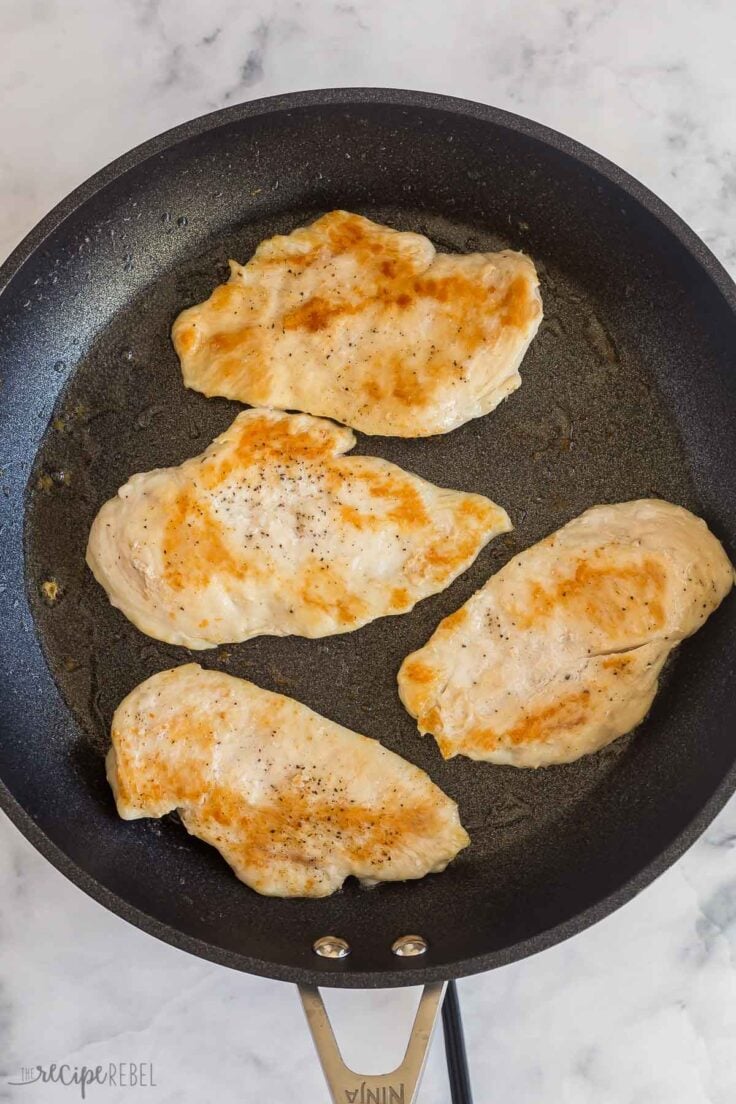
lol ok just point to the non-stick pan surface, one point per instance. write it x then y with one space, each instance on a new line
629 390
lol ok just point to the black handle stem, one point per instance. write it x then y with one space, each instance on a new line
455 1055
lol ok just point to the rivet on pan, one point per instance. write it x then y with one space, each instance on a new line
409 945
331 946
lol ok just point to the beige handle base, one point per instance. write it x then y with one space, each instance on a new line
398 1087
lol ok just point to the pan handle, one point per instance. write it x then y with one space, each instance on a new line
397 1087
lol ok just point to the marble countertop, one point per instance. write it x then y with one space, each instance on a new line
640 1009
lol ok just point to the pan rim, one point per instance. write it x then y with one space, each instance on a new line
335 975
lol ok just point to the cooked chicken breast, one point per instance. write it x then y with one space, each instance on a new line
273 530
560 652
293 802
352 320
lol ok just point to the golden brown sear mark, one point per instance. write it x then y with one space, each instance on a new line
400 598
568 712
264 441
418 671
195 545
610 596
299 820
323 588
464 302
163 780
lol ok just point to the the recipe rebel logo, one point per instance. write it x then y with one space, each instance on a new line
116 1075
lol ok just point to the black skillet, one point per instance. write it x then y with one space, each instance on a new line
629 390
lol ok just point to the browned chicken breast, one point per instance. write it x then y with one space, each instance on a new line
560 652
273 530
293 802
367 325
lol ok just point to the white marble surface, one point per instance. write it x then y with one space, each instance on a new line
640 1009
